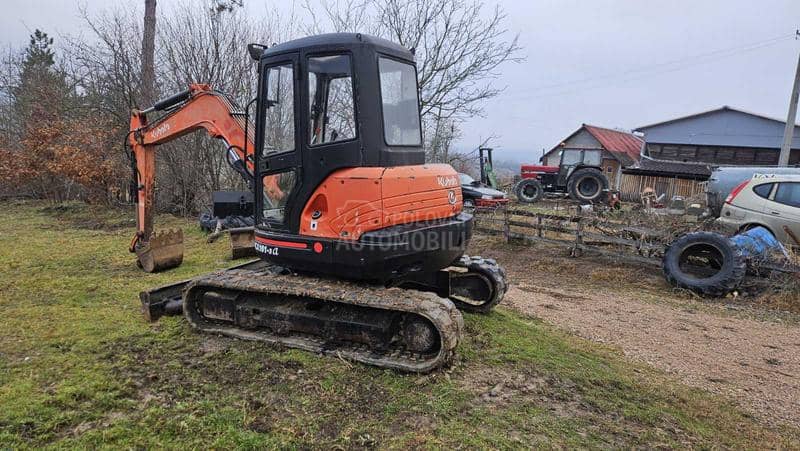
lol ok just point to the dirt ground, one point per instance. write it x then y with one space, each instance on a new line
732 348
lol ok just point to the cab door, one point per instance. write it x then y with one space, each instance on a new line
278 158
570 158
785 211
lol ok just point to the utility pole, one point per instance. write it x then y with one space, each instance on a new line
788 132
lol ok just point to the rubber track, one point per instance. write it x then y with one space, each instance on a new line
441 312
489 268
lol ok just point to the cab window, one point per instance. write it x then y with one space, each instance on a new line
276 191
401 126
788 194
330 96
571 157
279 112
763 190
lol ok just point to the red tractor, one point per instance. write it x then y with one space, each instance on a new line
578 174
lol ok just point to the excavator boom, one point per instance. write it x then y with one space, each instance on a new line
199 107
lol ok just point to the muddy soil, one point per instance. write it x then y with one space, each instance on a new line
729 346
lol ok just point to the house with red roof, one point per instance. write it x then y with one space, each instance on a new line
621 149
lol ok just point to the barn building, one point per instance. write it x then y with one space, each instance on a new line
679 153
620 149
725 136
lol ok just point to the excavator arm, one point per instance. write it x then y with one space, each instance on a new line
199 107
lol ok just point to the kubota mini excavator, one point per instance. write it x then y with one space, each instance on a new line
362 242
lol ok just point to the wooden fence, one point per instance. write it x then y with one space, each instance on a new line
631 187
580 233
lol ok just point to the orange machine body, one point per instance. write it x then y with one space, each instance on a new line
351 202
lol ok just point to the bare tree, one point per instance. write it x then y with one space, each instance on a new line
148 53
195 43
441 132
221 6
458 50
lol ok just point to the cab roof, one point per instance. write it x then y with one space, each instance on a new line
338 41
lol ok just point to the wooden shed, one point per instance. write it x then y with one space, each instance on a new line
670 178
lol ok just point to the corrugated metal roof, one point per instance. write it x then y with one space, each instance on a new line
626 145
725 126
686 170
712 111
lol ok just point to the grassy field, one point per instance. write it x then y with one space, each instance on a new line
80 368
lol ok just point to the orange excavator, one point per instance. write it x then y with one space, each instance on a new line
361 243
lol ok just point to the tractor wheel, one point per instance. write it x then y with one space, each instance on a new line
706 263
587 185
529 191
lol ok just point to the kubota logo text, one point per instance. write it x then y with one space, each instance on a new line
450 180
160 131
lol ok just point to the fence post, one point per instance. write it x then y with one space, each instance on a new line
507 225
577 250
539 230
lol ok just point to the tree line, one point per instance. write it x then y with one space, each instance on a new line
65 103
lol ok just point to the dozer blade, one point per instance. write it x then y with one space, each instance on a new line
167 300
242 242
164 250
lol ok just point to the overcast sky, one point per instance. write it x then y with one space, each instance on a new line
613 63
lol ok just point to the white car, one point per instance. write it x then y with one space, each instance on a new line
768 200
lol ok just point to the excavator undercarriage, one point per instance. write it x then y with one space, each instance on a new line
405 330
408 326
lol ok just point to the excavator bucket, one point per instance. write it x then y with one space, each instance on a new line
163 251
242 242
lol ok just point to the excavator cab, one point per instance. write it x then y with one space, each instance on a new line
334 156
340 163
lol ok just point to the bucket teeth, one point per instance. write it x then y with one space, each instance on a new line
163 250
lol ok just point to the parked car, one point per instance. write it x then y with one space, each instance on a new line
724 178
768 200
476 194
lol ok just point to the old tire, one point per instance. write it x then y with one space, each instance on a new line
529 191
706 263
587 185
